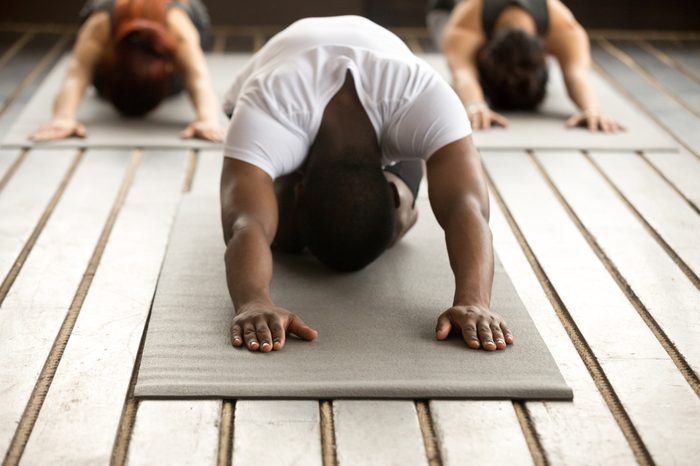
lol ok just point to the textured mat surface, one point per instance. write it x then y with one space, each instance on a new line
376 327
545 129
106 128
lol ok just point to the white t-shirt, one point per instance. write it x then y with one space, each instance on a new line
279 98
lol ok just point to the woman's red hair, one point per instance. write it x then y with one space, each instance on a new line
138 72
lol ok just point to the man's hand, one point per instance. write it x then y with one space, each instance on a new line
200 129
59 128
482 117
479 327
263 327
594 120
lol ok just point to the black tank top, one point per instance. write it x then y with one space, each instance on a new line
492 9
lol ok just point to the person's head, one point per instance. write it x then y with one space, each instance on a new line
346 212
513 70
138 75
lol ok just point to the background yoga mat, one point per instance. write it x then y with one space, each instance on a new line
545 129
106 128
376 327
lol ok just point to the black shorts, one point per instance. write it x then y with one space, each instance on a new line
411 172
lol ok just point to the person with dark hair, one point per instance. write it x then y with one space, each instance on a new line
332 123
137 53
497 52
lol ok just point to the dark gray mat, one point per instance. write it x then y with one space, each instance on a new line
376 327
106 128
545 129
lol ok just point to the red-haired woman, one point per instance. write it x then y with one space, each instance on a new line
137 53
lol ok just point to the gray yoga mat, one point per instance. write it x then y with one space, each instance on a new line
376 327
545 128
106 128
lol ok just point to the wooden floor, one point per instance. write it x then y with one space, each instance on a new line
604 249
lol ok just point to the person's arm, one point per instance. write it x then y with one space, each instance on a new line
249 217
190 60
460 47
459 198
568 42
89 47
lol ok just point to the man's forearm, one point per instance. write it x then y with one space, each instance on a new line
248 266
469 245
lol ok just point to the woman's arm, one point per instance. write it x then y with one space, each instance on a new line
190 61
90 46
568 42
460 45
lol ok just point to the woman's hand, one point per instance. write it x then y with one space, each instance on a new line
482 117
594 120
479 327
262 327
59 128
202 129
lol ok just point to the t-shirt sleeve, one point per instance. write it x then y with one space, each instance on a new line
434 119
256 137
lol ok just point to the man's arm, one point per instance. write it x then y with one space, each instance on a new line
89 47
568 42
249 217
459 198
191 62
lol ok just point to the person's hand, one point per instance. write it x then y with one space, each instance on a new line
263 327
482 117
479 327
594 120
202 129
59 128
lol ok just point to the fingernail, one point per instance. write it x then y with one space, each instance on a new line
236 340
265 345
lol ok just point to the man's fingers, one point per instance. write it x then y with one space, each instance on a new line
485 336
278 334
507 334
299 328
443 327
498 337
264 336
236 338
486 121
469 333
250 336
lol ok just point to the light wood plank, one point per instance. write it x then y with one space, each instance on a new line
7 157
80 415
207 175
606 319
664 290
38 302
472 431
378 432
686 90
583 432
175 433
676 119
667 213
680 168
25 198
686 58
277 432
